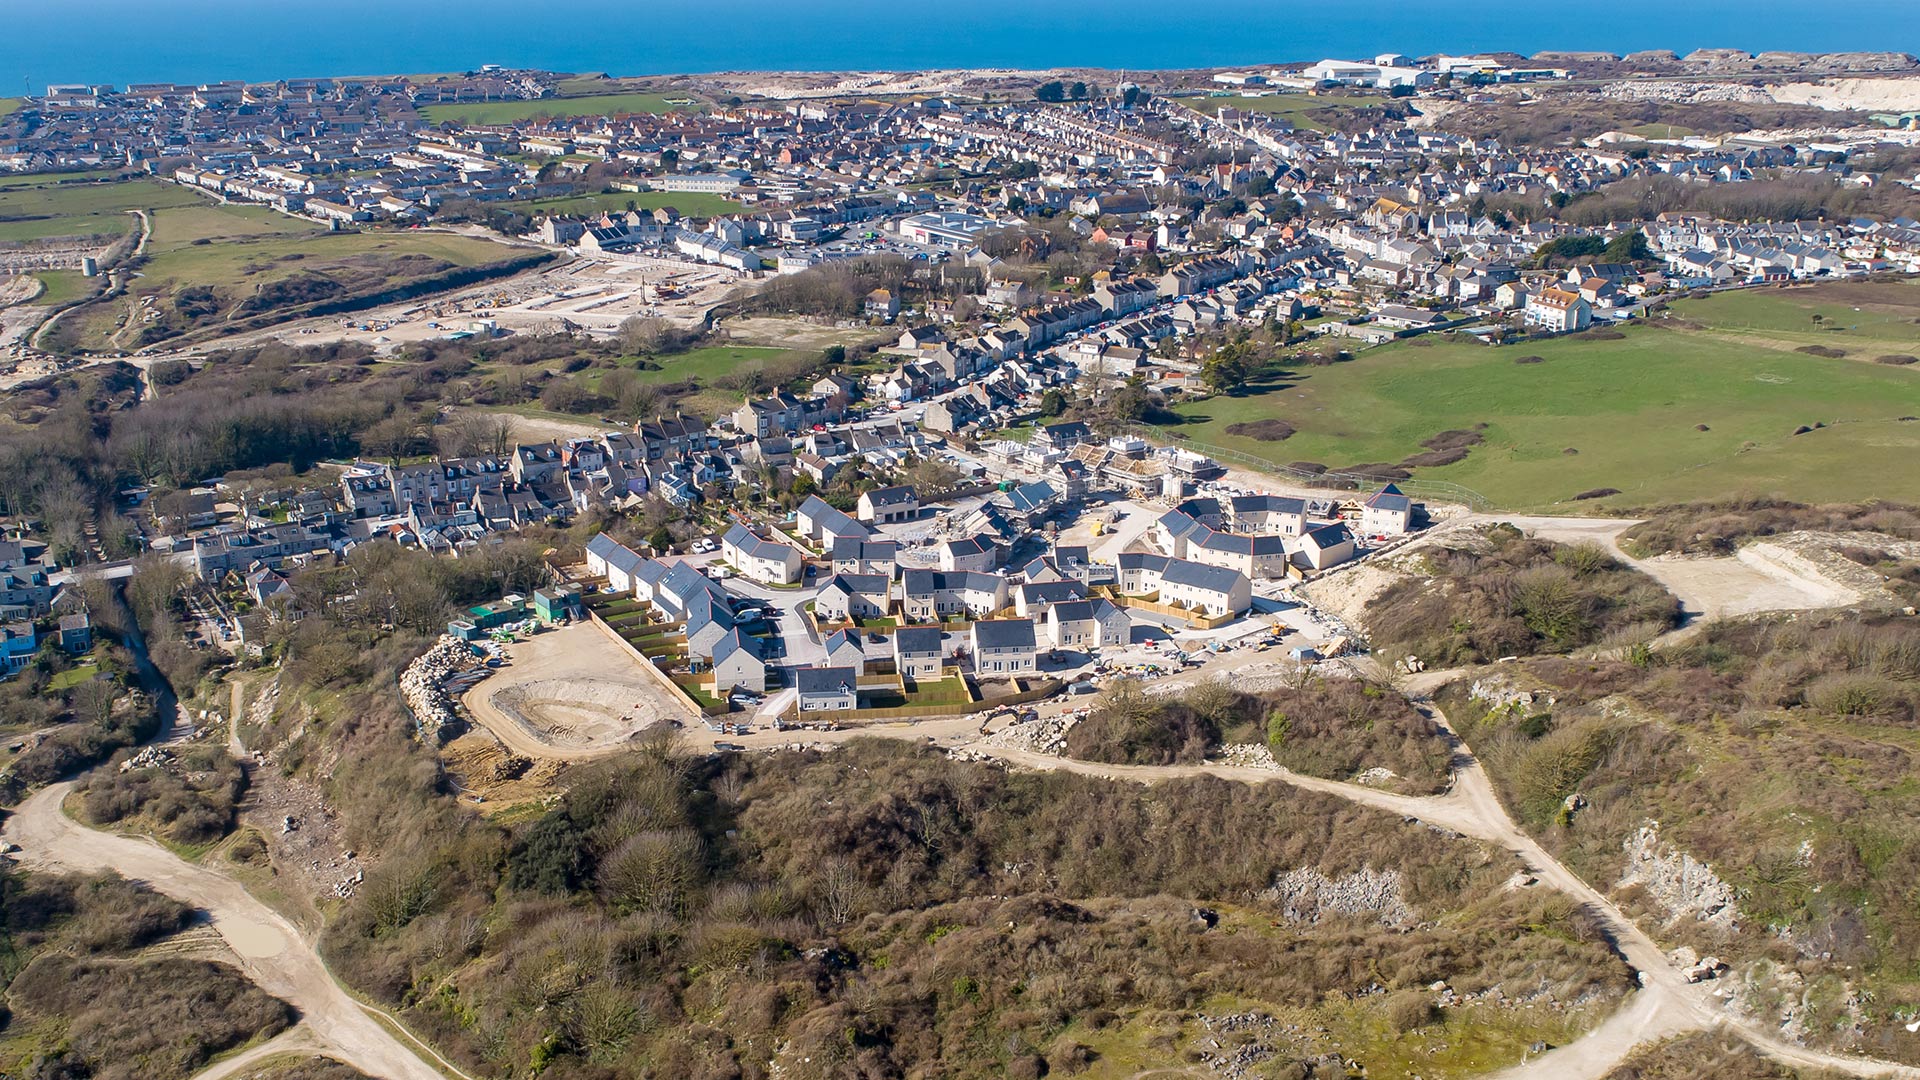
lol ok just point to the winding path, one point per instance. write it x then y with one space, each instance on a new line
1667 1005
270 950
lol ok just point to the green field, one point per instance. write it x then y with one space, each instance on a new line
510 112
181 227
11 105
689 203
1864 318
1297 108
712 362
61 286
1598 414
48 179
249 250
44 210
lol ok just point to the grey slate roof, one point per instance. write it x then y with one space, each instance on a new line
1201 576
824 680
1003 634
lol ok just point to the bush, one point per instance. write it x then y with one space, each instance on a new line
1507 595
1338 728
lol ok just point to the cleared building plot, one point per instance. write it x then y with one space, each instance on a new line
572 693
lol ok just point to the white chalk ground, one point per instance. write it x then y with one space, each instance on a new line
572 692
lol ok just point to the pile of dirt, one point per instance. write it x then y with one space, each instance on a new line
1446 448
1270 430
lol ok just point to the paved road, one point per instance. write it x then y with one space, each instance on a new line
271 951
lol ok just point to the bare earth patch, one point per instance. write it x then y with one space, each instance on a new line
571 692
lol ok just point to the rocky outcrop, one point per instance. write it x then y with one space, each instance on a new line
1306 895
1682 885
422 687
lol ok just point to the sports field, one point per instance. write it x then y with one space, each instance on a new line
510 112
1662 415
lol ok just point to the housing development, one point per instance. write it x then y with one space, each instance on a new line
1402 565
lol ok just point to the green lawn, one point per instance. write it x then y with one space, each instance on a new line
61 287
509 112
689 203
1598 414
712 362
1297 108
43 210
72 677
11 105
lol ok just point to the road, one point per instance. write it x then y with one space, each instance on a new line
270 950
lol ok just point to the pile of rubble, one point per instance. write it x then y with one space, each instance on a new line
148 757
1248 756
1691 93
1046 735
1679 883
421 686
1304 895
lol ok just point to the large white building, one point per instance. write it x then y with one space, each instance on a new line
944 228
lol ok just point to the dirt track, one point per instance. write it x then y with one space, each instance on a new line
272 953
1668 1005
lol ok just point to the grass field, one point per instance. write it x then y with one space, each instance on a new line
10 105
689 203
1864 318
181 227
48 179
44 210
61 287
1598 414
1297 108
249 250
509 112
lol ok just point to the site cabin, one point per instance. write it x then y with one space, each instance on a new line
737 662
556 605
889 504
760 559
826 689
1003 648
918 652
844 650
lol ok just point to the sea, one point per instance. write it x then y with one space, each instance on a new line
44 42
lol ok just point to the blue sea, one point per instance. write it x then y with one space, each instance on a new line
122 41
